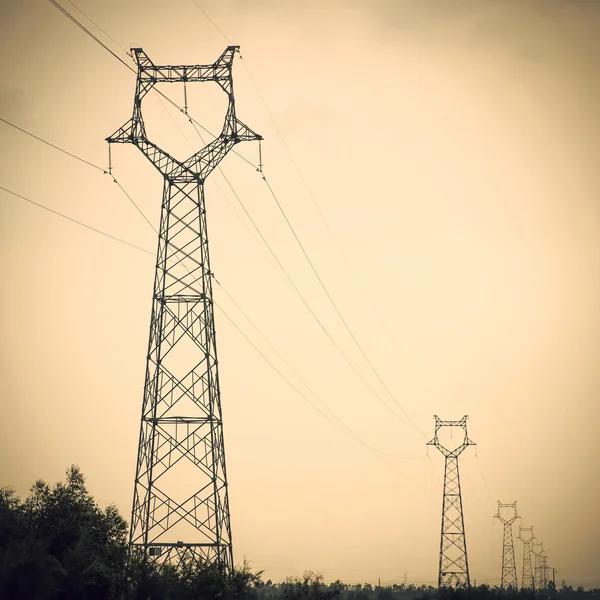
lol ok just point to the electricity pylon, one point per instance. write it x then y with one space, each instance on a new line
454 564
509 566
527 539
545 568
537 548
180 508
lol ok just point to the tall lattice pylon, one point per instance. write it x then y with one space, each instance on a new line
537 548
180 504
454 564
527 537
507 514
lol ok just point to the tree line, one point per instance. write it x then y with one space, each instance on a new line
58 544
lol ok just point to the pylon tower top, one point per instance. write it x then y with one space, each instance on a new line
198 166
529 537
504 520
448 452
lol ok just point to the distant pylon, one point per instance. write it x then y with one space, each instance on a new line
537 548
545 568
454 564
509 566
527 539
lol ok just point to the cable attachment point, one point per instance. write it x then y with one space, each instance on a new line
109 160
260 165
185 104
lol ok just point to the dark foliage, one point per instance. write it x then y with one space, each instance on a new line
312 587
59 545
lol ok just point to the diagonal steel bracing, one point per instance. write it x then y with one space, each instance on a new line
180 508
454 564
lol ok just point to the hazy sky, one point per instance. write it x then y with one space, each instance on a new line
452 148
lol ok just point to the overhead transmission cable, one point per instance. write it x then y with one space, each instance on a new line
337 423
98 27
56 212
81 26
82 160
337 310
298 171
299 293
70 154
192 120
312 266
87 162
76 157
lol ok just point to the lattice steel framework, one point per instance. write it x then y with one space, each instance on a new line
454 564
544 568
509 566
527 537
180 508
537 548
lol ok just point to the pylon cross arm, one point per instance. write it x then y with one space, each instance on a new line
201 163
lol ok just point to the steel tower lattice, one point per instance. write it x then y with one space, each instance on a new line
454 564
509 566
537 548
180 508
527 539
544 568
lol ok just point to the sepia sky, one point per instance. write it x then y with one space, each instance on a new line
453 151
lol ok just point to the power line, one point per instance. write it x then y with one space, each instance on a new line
301 296
88 32
136 206
307 305
211 21
87 162
333 303
338 424
108 235
300 378
194 123
72 155
311 195
284 271
98 26
275 350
